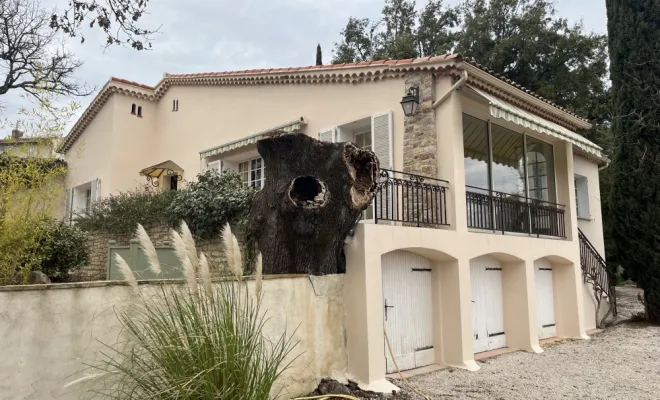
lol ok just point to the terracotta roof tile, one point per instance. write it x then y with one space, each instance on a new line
127 82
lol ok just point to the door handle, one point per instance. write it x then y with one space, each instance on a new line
386 307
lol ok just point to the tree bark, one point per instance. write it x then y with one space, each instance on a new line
313 196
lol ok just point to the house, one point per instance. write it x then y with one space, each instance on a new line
18 145
483 232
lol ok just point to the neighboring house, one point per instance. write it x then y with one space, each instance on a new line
474 245
21 146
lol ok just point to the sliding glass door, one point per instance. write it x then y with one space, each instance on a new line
510 180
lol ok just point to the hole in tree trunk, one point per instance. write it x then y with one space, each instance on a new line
363 167
307 191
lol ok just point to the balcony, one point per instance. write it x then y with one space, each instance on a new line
497 211
414 200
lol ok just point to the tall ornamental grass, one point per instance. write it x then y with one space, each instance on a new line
191 342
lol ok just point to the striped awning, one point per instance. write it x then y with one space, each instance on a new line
508 112
291 126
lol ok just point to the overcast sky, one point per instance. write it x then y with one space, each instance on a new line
220 35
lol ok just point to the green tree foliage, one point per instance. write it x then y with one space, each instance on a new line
206 205
209 203
436 33
319 55
634 44
119 214
63 249
523 40
356 42
29 189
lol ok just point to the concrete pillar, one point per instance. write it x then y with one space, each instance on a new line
566 186
520 313
363 296
449 132
569 300
453 314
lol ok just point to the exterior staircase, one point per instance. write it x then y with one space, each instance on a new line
595 270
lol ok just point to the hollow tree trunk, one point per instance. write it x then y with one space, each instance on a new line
313 196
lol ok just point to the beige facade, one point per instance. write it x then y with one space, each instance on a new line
201 121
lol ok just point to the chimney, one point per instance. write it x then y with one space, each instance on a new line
16 134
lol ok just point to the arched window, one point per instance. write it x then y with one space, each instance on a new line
175 105
133 109
139 114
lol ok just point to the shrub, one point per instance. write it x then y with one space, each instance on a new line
64 249
120 214
30 188
190 343
211 202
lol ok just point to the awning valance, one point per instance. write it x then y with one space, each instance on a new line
508 112
168 167
291 126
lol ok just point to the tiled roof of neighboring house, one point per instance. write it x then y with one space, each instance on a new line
365 71
10 142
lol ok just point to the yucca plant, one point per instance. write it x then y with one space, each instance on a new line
186 343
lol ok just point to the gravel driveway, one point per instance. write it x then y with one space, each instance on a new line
622 362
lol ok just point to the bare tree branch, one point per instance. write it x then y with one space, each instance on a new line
123 15
31 59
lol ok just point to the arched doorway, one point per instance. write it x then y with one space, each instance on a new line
408 309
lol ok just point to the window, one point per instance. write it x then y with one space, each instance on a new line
88 199
501 160
133 109
252 172
363 140
540 170
582 196
215 165
175 105
174 182
139 114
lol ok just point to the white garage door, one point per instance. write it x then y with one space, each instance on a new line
487 304
407 298
545 300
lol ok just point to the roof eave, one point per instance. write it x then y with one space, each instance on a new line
500 84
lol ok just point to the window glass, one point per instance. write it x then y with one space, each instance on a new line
540 170
508 169
256 173
363 140
243 171
475 144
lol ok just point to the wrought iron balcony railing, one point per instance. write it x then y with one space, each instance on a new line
497 211
411 199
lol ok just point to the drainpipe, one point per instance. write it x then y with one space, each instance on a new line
459 83
607 164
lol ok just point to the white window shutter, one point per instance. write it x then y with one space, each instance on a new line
329 135
381 138
96 190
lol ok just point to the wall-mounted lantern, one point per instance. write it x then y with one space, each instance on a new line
410 102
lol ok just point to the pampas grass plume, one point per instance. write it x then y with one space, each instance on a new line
182 254
148 248
190 243
232 252
205 274
127 273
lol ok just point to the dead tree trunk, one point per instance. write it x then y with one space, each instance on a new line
313 196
